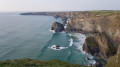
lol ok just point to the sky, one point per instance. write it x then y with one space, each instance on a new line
58 5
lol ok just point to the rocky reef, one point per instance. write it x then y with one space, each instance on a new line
57 27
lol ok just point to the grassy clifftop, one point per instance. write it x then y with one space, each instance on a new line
36 63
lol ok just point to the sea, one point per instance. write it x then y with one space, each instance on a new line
31 37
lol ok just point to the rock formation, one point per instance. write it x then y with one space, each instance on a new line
57 27
114 61
56 47
100 46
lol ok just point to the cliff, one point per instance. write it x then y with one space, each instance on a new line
104 27
100 45
114 61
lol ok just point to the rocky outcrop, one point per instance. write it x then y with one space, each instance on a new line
56 47
64 20
88 25
100 45
91 46
115 60
57 27
104 27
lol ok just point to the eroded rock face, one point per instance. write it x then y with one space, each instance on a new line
91 46
106 44
100 46
88 25
57 27
114 61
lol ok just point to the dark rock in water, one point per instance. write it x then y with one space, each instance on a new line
57 27
64 18
57 47
96 65
88 58
64 22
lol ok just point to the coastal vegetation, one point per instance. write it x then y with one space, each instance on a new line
114 61
36 63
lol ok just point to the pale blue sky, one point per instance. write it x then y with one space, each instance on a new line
58 5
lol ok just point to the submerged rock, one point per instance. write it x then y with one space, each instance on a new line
57 27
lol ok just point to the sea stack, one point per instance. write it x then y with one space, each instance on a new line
57 27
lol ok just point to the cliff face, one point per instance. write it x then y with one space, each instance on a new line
88 25
115 60
96 23
101 46
105 30
94 50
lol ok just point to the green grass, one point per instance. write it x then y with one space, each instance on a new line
114 61
104 13
36 63
116 22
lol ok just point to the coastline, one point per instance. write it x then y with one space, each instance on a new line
99 31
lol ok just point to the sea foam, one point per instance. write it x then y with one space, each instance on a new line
79 46
81 39
71 42
53 31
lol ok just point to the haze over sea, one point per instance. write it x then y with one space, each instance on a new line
30 37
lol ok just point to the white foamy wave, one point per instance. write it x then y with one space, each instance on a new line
79 45
90 57
65 26
91 61
67 21
69 34
60 48
52 31
81 39
71 42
